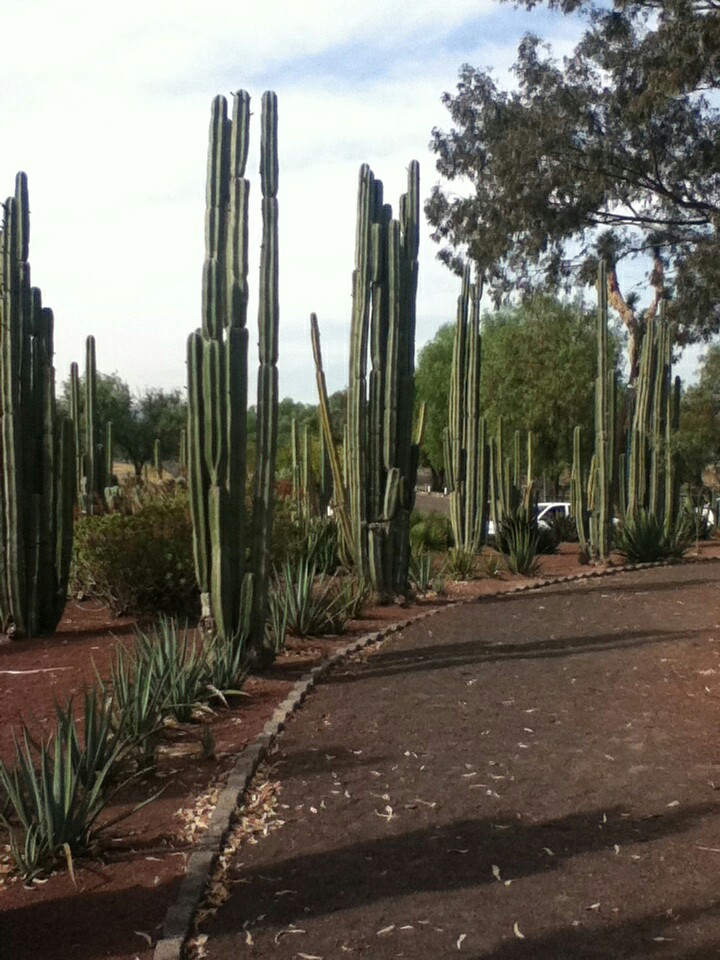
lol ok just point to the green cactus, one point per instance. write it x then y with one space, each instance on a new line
218 380
465 440
376 495
37 449
651 468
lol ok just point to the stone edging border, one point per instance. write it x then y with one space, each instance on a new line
178 919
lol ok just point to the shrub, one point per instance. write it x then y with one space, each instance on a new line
518 540
563 528
430 531
139 563
461 564
310 605
420 570
644 540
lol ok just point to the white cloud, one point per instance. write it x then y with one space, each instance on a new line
107 108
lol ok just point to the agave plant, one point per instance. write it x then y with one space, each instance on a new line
644 538
227 657
312 605
97 742
55 794
420 570
461 563
180 666
517 538
138 698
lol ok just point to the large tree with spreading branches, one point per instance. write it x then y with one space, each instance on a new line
613 153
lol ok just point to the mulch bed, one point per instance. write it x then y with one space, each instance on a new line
118 904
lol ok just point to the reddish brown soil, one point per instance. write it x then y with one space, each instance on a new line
118 904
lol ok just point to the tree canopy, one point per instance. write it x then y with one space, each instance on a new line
699 435
614 153
537 372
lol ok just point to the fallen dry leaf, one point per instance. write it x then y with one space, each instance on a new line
463 936
517 931
385 930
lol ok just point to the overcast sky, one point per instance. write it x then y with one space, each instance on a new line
106 107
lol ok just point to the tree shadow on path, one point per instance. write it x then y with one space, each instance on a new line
440 858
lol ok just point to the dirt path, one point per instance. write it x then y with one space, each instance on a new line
530 777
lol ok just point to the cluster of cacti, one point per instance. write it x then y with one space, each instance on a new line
37 453
374 494
620 483
594 497
651 475
93 454
218 378
305 489
507 491
465 439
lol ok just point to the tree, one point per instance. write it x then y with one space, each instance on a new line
614 154
137 420
699 435
537 372
432 383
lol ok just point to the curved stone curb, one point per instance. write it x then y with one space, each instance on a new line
178 919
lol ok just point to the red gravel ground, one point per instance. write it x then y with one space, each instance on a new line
118 904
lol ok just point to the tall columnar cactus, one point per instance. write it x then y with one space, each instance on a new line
604 429
37 450
381 454
465 440
94 481
108 451
217 375
652 485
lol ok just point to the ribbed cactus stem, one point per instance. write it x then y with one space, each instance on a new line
216 440
109 462
91 427
267 402
339 490
37 450
380 412
602 507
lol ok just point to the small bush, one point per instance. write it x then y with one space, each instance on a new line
643 539
311 605
518 540
430 531
461 564
139 563
420 570
563 528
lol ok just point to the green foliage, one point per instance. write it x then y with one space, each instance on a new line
643 538
562 528
461 564
538 374
421 570
138 420
141 563
698 440
432 383
612 153
490 566
430 531
179 665
56 792
517 538
311 605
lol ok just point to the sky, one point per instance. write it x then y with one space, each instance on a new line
106 108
